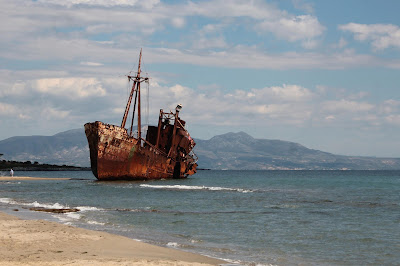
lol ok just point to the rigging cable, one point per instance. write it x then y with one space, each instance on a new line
147 107
148 101
128 91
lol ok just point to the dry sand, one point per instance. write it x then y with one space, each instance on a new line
38 242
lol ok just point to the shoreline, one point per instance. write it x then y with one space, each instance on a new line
18 178
40 242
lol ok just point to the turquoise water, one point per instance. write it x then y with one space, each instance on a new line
246 217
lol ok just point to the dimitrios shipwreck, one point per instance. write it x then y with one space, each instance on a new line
165 152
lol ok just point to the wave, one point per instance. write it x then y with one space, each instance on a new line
48 205
89 208
10 182
95 223
33 204
183 187
173 244
151 210
7 201
73 215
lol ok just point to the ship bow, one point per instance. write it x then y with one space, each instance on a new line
92 135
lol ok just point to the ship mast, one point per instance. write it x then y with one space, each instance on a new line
136 86
138 90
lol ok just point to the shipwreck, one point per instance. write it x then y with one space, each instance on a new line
166 150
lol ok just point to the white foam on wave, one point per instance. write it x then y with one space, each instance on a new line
173 244
88 208
11 182
7 201
67 218
183 187
47 206
34 204
63 219
73 215
231 262
95 223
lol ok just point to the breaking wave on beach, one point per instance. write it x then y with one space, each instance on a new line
184 187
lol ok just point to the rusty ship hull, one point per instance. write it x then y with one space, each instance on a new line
115 155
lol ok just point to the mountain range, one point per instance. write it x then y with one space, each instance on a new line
235 151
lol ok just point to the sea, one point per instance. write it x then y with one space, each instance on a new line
243 217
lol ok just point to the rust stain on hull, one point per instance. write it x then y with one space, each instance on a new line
116 155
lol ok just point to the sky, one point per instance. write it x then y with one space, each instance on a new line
325 74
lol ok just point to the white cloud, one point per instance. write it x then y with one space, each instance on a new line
213 87
149 3
330 117
288 104
292 92
206 43
15 111
390 106
295 28
347 106
24 20
212 28
310 43
303 5
7 109
63 36
152 15
382 36
91 64
285 93
105 99
255 9
249 57
358 95
180 91
393 119
74 88
209 36
13 89
392 102
284 113
340 44
178 22
50 113
24 116
106 3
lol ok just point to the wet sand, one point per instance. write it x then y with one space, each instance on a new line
39 242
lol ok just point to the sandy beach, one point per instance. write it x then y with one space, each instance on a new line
39 242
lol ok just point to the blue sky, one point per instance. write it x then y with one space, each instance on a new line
321 73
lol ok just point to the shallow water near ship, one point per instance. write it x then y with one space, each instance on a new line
247 217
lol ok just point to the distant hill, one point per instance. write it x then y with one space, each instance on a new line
234 151
69 148
242 151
